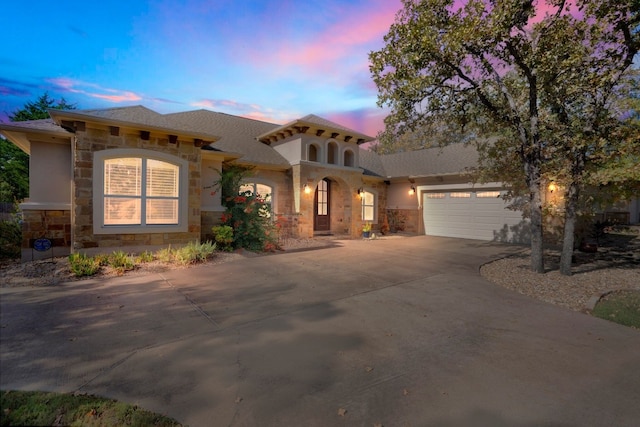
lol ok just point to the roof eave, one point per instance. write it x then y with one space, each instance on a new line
302 126
59 115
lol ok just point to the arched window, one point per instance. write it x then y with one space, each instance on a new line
137 191
349 158
313 153
332 153
261 190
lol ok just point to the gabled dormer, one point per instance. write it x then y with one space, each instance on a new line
314 139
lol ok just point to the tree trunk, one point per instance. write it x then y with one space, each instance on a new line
568 238
537 258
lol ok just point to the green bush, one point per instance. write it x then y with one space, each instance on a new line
194 252
83 265
102 259
224 236
10 238
165 255
146 256
248 214
121 261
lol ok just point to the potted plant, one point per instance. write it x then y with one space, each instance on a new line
366 230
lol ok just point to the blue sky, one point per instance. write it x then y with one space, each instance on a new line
269 60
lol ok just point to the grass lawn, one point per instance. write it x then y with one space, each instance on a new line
42 408
621 307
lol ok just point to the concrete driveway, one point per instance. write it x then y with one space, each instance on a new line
397 332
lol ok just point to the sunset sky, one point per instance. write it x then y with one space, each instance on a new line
273 60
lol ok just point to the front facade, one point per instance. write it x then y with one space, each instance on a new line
133 179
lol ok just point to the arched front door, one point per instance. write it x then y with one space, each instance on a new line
322 207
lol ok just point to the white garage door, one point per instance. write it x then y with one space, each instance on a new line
472 214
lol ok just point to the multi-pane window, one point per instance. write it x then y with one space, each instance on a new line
140 191
368 206
487 194
323 198
435 195
460 195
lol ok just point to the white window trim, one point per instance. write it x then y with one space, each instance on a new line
375 205
98 193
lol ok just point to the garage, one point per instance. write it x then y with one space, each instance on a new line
472 214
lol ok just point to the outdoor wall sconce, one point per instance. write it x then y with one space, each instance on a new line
412 190
360 192
306 189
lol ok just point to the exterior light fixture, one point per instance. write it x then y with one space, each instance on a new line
306 189
360 192
552 187
412 190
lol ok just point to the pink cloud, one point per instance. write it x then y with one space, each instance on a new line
334 48
93 90
250 111
368 121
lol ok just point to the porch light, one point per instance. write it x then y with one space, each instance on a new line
412 190
307 189
360 192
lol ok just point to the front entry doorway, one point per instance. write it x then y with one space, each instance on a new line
322 207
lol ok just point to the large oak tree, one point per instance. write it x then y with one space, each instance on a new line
538 86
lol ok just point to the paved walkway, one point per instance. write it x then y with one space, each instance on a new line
394 332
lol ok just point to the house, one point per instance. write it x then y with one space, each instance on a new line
132 178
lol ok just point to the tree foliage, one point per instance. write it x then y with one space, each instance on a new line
14 163
535 90
248 214
38 109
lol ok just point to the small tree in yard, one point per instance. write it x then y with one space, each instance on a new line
539 89
248 214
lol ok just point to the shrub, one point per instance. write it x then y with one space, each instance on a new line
224 236
146 256
102 259
10 237
83 265
194 252
248 214
165 255
121 262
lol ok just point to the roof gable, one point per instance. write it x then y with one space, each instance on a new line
314 125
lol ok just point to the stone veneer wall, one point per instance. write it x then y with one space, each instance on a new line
92 140
411 217
54 225
346 211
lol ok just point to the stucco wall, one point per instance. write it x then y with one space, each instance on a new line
49 173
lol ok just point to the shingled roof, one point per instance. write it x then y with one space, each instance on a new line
135 116
448 160
237 135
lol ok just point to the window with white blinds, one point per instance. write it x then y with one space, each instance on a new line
368 206
140 191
